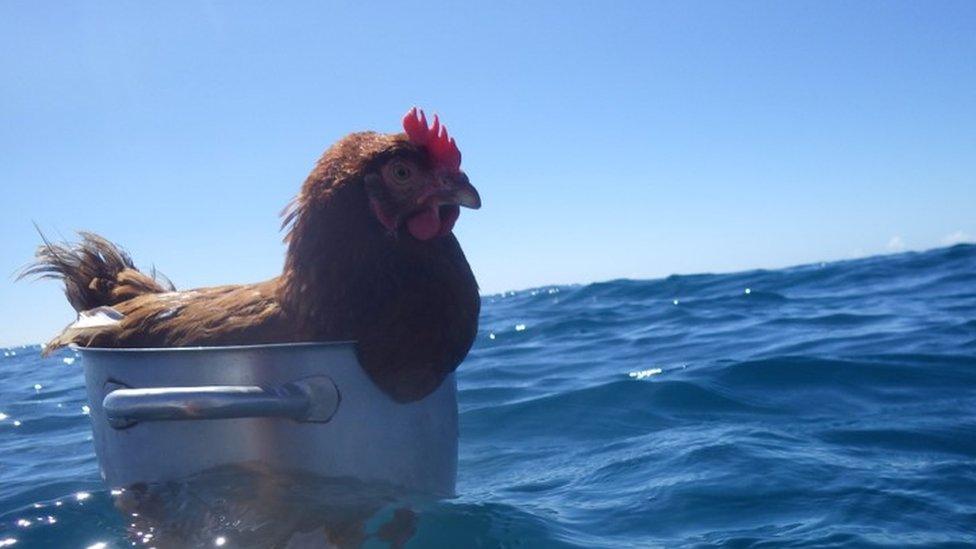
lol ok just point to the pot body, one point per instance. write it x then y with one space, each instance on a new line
165 414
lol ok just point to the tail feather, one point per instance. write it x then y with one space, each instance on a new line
95 272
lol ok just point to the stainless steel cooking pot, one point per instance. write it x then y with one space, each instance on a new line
165 414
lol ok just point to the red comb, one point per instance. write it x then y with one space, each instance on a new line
440 145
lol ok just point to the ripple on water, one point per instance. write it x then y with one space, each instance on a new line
830 404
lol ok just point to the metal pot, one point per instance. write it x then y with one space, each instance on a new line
166 414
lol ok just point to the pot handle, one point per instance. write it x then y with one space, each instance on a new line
310 399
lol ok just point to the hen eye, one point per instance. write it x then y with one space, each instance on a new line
400 172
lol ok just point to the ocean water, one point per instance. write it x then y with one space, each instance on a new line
824 405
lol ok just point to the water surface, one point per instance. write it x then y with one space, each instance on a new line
817 406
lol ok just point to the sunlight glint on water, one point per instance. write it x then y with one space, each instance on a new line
826 404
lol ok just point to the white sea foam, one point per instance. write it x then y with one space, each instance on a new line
644 374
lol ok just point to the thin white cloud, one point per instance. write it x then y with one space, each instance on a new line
957 237
896 244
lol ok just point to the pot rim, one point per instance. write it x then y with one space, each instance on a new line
212 348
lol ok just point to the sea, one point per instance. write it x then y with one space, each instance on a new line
824 405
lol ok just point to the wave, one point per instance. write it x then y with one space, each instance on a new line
828 404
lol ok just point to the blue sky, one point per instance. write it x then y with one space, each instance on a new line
607 139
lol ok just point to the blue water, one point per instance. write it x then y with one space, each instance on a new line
818 406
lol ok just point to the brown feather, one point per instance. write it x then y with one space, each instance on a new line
95 272
412 306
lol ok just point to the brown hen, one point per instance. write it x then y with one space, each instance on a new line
371 258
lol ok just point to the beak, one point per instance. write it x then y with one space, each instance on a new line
464 192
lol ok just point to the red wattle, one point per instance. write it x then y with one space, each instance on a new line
425 224
449 217
433 221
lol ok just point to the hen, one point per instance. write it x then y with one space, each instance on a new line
371 258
